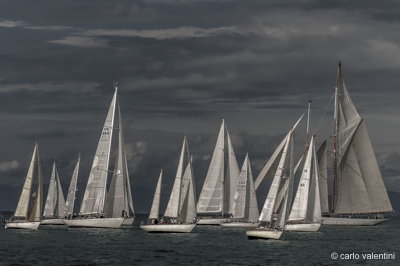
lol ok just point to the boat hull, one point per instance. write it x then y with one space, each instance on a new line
310 227
264 234
168 228
95 222
336 221
240 225
52 222
128 221
211 221
21 225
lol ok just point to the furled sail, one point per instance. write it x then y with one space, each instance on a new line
24 199
55 203
323 176
94 197
212 195
70 202
359 187
174 200
155 206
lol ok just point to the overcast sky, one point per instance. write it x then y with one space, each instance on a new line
182 66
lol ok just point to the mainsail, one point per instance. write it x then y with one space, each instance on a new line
306 205
22 211
119 198
155 206
323 176
174 200
55 203
70 202
181 205
94 197
271 165
245 201
358 184
217 194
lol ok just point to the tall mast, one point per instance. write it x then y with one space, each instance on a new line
335 133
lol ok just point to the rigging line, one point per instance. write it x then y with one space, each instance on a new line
323 115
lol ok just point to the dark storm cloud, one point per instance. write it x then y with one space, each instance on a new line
182 65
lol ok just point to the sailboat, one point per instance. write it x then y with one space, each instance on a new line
245 209
217 195
359 194
27 215
119 197
70 202
305 215
155 206
180 215
277 204
54 207
92 211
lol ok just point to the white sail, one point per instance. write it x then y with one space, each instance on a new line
155 206
187 206
271 165
70 202
231 176
117 200
94 197
128 193
299 207
359 187
245 203
323 176
316 210
35 214
24 199
267 210
174 200
212 194
55 202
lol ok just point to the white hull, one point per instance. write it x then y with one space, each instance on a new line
211 221
95 222
168 228
264 234
313 227
52 222
21 225
128 221
240 225
351 221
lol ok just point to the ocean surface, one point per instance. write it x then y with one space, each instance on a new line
207 245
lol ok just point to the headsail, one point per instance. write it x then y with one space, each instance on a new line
174 200
155 206
359 187
55 203
323 176
212 195
231 176
187 205
70 202
245 203
23 211
94 197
